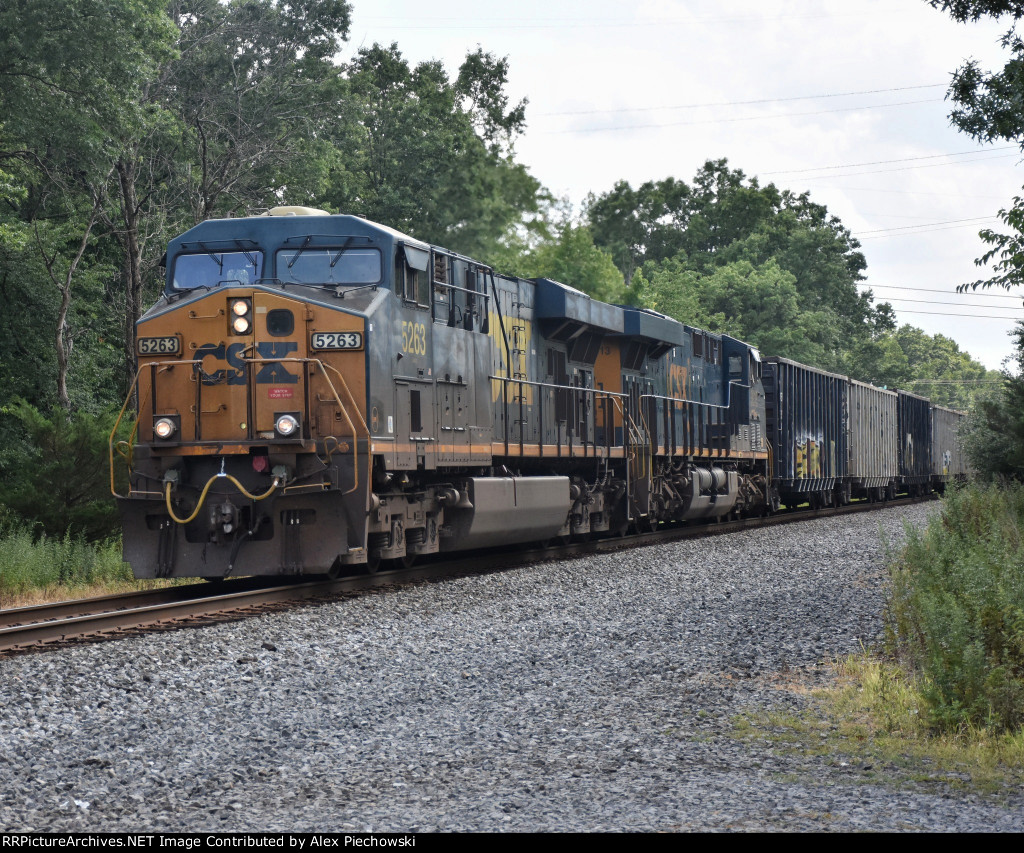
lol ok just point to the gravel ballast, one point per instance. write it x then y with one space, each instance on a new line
587 695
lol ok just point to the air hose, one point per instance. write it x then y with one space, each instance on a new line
206 488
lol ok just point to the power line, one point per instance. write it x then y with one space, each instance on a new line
913 233
940 302
907 168
882 162
929 225
737 119
961 316
450 23
741 103
947 292
956 381
909 192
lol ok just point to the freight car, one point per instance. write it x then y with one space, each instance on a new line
318 394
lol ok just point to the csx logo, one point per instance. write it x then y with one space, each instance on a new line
270 372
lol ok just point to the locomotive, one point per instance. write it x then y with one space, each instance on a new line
318 394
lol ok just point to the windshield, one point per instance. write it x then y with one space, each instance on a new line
329 266
209 269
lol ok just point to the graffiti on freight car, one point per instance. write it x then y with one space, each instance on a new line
809 456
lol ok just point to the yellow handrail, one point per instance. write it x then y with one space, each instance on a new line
124 448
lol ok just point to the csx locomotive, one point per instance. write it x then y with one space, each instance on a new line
318 393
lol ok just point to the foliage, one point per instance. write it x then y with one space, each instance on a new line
54 473
762 264
570 256
988 107
994 434
956 609
773 268
29 562
429 155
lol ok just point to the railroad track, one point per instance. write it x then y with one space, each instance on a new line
40 626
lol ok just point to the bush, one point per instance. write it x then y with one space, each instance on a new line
956 610
28 563
55 475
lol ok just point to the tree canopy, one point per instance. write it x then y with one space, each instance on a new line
772 267
988 107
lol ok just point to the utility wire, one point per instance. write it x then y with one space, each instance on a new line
907 168
910 192
947 292
940 302
961 316
737 119
956 381
698 106
884 162
913 233
450 23
929 225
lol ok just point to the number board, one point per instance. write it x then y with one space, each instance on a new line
336 340
169 345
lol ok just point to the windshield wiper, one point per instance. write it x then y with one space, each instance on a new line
341 251
299 251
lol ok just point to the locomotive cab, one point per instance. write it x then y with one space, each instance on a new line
251 399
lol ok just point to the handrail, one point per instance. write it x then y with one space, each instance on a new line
698 403
128 455
595 392
337 399
727 404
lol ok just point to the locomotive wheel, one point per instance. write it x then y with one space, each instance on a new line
373 561
584 536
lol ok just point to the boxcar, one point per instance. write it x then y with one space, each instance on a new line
948 462
874 439
805 409
915 451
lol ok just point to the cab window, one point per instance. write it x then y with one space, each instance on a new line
210 269
329 265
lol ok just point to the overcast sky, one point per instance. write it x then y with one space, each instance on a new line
845 100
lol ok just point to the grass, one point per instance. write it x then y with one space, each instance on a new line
872 721
35 570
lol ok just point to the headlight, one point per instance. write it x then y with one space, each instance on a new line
164 428
240 307
241 325
286 426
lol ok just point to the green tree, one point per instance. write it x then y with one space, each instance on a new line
68 454
429 155
989 106
71 76
233 116
724 220
939 370
570 256
639 225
